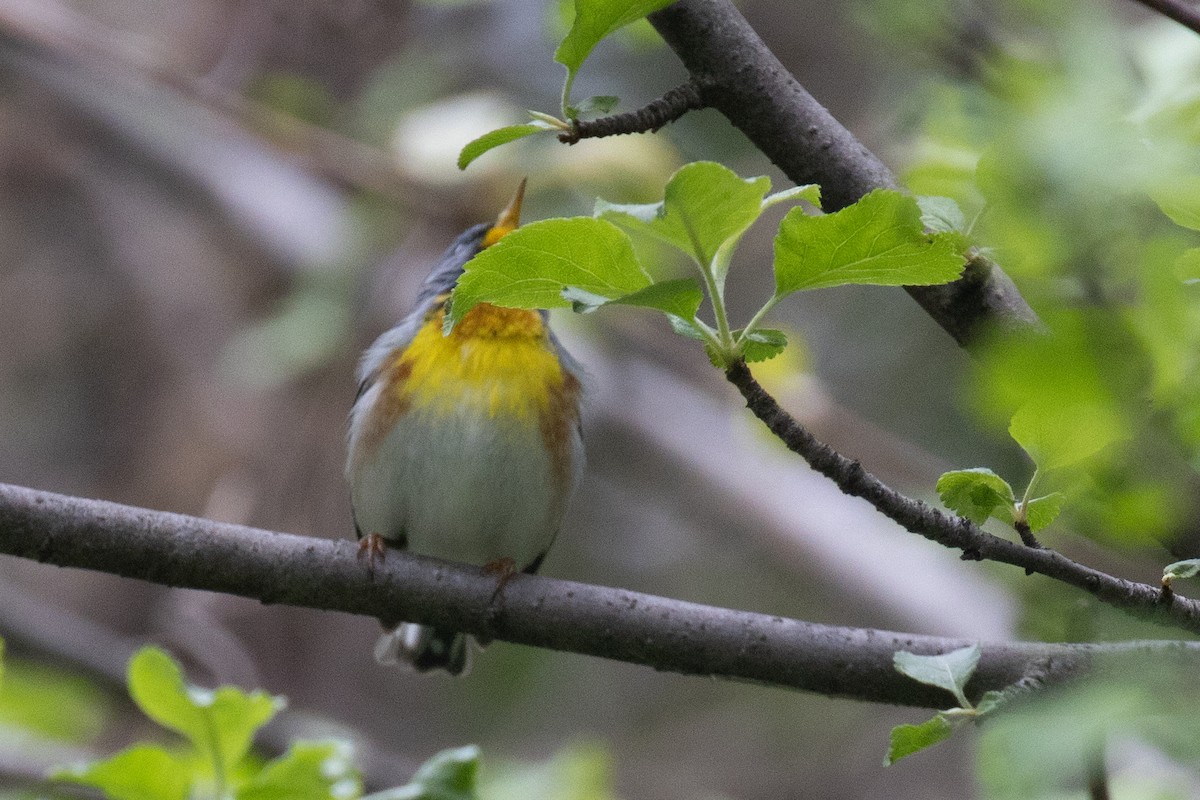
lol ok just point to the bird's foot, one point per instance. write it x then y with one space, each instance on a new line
504 569
373 547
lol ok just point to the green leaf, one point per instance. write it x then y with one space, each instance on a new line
976 494
879 240
1181 202
810 192
680 298
492 139
1182 569
1059 435
142 772
599 105
909 739
762 344
51 702
595 19
949 671
941 214
449 775
705 207
1187 268
530 267
219 722
1041 511
685 328
307 771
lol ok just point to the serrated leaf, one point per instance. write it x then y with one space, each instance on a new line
530 267
599 105
680 298
705 206
950 671
810 192
220 723
763 344
307 771
879 241
941 214
142 772
1041 511
1057 436
595 19
909 739
493 139
975 493
1188 568
1181 201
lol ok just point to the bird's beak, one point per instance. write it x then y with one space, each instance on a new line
509 219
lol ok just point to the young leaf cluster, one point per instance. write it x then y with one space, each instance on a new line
218 727
980 494
594 20
950 671
589 262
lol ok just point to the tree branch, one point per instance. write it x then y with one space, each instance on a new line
739 76
647 119
669 635
958 533
1186 14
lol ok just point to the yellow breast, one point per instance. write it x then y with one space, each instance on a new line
496 360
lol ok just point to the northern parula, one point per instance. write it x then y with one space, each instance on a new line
463 446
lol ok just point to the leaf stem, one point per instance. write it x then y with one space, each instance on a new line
565 101
716 298
753 324
1023 508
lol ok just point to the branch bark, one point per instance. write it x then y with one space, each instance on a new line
665 634
740 77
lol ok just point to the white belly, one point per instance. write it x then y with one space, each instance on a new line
464 487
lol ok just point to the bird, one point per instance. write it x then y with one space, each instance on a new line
463 445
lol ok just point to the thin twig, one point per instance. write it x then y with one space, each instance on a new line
1186 14
665 634
956 532
647 119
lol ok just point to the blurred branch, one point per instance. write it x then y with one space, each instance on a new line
669 635
1186 14
64 31
958 533
740 77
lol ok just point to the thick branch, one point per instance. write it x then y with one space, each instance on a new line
741 78
955 532
666 634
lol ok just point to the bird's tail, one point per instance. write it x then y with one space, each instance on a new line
424 648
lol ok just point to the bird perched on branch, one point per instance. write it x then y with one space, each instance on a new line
464 446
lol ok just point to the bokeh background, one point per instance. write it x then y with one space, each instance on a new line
209 207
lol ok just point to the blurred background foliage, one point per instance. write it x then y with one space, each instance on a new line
208 207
